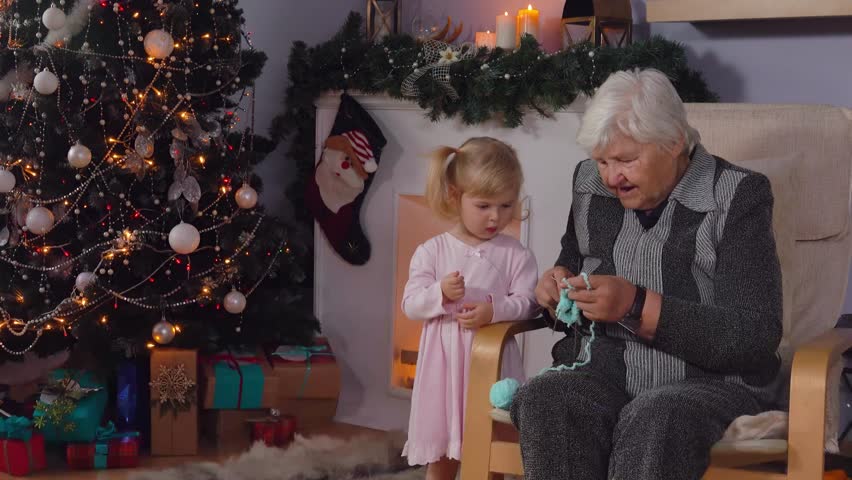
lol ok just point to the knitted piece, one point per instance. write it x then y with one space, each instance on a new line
568 313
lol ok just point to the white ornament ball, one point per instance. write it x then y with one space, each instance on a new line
79 156
184 238
53 18
163 332
46 82
158 44
39 220
235 302
246 197
7 181
84 280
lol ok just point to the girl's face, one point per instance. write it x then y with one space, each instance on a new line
483 218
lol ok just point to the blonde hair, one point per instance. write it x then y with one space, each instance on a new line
482 167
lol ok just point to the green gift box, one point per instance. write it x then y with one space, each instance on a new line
86 416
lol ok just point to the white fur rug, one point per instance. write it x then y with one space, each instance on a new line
315 458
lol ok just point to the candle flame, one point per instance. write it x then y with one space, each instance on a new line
506 13
488 31
529 7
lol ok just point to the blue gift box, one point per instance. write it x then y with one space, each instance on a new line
86 417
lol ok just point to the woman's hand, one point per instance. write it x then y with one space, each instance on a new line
452 286
475 315
609 300
547 289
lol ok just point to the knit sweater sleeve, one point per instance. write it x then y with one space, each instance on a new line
740 332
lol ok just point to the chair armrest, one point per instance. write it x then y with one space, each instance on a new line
808 388
487 349
486 358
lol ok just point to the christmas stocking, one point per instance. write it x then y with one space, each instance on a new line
342 177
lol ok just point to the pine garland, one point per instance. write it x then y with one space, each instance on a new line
536 81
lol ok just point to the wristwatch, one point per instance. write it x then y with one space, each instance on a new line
633 320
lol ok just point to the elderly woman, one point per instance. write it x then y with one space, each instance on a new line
685 298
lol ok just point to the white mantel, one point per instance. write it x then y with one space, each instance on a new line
355 304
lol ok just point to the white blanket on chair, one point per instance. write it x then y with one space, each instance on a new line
763 426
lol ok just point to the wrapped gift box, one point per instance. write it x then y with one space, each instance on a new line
21 450
309 383
174 432
228 430
275 430
110 450
238 382
87 415
307 372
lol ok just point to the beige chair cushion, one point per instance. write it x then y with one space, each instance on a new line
824 133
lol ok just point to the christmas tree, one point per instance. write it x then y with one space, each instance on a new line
128 199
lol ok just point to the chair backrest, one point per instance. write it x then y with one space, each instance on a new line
806 151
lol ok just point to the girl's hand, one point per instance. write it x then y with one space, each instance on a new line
452 286
609 300
475 315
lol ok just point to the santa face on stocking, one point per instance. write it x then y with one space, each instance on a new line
347 160
335 193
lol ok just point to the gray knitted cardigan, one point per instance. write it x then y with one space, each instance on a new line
711 256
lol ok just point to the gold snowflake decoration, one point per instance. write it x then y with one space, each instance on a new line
173 386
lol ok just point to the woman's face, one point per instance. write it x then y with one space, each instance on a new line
641 175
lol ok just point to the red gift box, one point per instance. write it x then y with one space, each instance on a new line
19 457
274 431
118 453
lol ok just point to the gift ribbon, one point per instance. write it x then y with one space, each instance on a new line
16 428
437 57
247 397
106 434
308 352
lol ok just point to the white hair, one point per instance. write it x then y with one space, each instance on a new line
640 104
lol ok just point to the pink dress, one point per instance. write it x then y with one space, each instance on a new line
501 271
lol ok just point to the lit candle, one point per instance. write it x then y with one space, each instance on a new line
527 23
487 39
506 37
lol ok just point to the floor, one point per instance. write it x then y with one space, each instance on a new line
335 429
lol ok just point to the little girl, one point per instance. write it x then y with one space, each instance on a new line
459 281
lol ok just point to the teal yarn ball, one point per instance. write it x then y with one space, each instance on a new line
503 392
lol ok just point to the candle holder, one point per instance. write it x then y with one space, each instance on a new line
383 18
598 17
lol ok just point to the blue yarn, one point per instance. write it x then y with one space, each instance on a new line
503 392
567 312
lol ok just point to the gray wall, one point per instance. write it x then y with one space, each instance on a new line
274 26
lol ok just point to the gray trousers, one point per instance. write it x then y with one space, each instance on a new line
582 425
